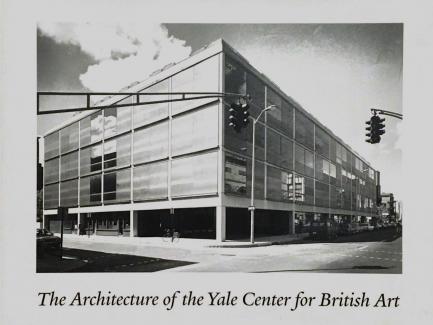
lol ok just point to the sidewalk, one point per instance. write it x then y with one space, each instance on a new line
185 243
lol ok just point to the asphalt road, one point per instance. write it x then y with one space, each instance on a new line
367 252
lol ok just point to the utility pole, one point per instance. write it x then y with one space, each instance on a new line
252 207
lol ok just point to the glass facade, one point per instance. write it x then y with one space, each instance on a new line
151 143
147 114
151 181
195 131
202 77
301 161
195 175
172 150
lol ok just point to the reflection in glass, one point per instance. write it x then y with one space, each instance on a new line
69 165
51 171
197 175
117 186
281 117
90 190
279 184
51 196
91 159
279 150
96 127
202 77
322 194
69 193
322 142
151 143
51 145
69 138
195 131
151 181
304 130
235 175
117 152
117 120
146 114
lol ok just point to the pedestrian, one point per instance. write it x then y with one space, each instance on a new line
398 228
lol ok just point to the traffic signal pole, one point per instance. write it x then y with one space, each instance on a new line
388 113
253 169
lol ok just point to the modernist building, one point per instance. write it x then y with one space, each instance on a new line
136 170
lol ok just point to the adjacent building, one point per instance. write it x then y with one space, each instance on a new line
135 171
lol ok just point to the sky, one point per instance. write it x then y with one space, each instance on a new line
337 72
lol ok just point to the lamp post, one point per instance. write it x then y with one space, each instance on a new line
252 207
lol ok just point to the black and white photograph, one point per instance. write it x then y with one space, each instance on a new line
219 147
215 162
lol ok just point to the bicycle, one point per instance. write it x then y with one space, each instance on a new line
170 235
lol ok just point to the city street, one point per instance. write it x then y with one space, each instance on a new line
367 252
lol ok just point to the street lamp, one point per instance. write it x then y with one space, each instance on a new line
252 207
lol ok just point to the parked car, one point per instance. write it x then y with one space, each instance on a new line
370 227
47 243
348 228
363 226
323 230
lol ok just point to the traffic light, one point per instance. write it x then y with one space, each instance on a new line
375 128
239 116
234 117
245 114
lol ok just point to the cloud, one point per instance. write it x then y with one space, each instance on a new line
124 53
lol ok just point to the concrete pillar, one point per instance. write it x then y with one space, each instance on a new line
220 223
78 223
133 223
292 223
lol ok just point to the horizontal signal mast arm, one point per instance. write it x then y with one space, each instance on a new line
196 95
388 113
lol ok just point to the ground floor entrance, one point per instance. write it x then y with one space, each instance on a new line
266 223
190 223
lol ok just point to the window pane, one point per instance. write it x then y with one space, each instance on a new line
90 190
91 159
151 181
69 193
281 117
51 196
96 127
197 175
51 171
322 169
309 163
117 186
146 114
51 145
69 165
304 131
322 142
304 189
195 131
151 143
85 131
256 89
279 150
235 175
299 159
117 120
69 138
279 184
322 194
203 77
117 152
